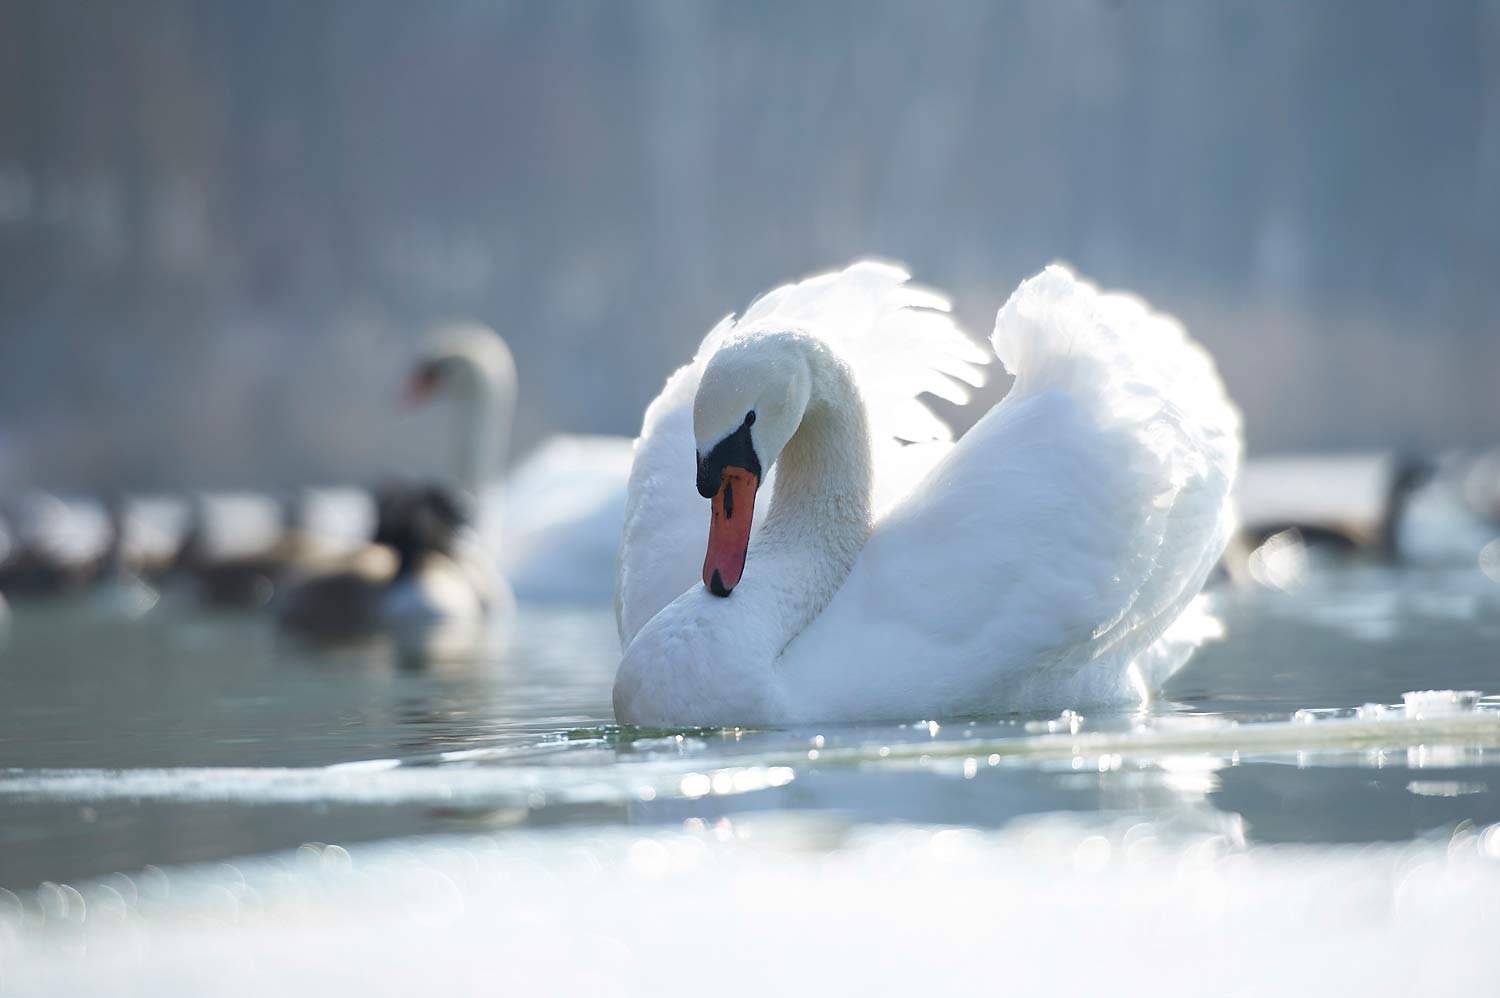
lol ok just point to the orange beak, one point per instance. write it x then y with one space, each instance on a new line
729 530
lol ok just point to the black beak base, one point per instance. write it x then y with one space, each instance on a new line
734 451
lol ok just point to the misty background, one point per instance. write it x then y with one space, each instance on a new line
225 225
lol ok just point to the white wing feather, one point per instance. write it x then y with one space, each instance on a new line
664 521
1053 546
900 341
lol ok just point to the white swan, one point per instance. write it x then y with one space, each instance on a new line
469 363
553 523
1038 564
564 505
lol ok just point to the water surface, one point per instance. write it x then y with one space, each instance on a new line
187 737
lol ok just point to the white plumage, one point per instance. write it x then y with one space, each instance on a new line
553 524
1038 563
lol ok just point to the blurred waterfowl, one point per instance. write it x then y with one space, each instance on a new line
553 524
240 549
115 550
119 589
469 363
155 528
423 571
1048 558
1343 505
233 551
1352 502
56 547
1449 518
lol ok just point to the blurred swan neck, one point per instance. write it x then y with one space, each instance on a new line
486 402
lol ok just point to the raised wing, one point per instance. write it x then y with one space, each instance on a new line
898 338
1057 541
900 341
664 517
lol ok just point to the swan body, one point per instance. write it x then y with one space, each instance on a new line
563 506
1048 558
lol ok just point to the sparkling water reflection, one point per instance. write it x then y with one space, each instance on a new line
181 738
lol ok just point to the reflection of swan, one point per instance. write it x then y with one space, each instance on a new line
555 524
1038 563
422 574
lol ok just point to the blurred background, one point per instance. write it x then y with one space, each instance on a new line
224 225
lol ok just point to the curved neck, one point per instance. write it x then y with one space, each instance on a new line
712 659
486 406
1406 478
819 518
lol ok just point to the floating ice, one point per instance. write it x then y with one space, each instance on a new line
378 782
1422 704
1447 725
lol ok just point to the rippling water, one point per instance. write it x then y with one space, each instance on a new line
182 743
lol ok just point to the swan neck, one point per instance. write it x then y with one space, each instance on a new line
820 512
710 659
483 437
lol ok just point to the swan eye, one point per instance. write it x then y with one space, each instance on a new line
750 418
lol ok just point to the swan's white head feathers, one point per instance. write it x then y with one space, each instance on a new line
464 359
898 339
756 382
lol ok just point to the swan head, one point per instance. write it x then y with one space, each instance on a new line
751 399
463 360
